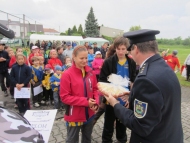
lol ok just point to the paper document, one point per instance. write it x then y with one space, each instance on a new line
22 93
37 90
42 121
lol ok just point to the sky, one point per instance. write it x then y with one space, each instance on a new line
171 17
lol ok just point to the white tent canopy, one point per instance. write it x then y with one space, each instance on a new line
78 39
35 37
99 41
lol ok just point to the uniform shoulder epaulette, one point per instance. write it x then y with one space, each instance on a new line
143 69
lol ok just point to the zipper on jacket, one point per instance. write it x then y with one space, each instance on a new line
19 75
85 94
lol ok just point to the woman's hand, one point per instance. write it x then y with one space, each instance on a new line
91 102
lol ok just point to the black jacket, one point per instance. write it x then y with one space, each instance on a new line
110 66
4 65
20 74
154 115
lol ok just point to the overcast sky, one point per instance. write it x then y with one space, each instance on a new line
171 17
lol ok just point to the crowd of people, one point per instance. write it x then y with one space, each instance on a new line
69 74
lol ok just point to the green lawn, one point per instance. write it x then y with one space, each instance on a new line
183 52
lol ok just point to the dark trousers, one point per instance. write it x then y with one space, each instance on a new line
73 133
109 127
2 80
36 98
97 77
188 71
48 94
23 104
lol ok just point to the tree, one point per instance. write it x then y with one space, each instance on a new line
69 31
80 29
178 40
91 25
134 28
63 33
74 30
186 41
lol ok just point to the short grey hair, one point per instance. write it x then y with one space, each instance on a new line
150 46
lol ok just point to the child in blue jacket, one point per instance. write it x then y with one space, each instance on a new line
55 85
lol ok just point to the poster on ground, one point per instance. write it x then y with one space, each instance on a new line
42 121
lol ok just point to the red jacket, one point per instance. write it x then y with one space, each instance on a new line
96 64
172 61
30 57
13 61
54 61
72 93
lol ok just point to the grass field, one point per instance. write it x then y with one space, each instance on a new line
183 52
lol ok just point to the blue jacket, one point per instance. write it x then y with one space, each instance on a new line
90 59
53 81
37 74
20 74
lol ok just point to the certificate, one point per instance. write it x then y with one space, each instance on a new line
42 121
22 93
37 90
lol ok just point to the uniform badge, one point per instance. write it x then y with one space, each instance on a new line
140 108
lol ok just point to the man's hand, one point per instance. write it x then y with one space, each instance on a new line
112 100
18 86
2 59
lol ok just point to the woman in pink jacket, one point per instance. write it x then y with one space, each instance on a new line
78 90
97 63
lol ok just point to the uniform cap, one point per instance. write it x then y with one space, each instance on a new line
140 36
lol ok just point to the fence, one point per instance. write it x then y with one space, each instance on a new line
22 27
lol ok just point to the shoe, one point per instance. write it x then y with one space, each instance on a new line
43 102
5 93
36 105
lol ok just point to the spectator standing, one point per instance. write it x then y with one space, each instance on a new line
172 60
90 56
37 75
78 90
103 50
60 54
120 64
95 47
55 85
187 64
69 50
47 90
35 52
20 77
68 63
31 45
4 62
97 64
54 61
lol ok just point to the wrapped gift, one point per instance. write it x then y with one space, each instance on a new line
117 86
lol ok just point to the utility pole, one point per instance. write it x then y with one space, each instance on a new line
24 26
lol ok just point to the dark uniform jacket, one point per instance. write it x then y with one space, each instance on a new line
110 66
4 65
154 115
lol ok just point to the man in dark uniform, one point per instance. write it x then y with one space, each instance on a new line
154 113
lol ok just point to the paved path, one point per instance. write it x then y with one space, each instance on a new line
58 133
